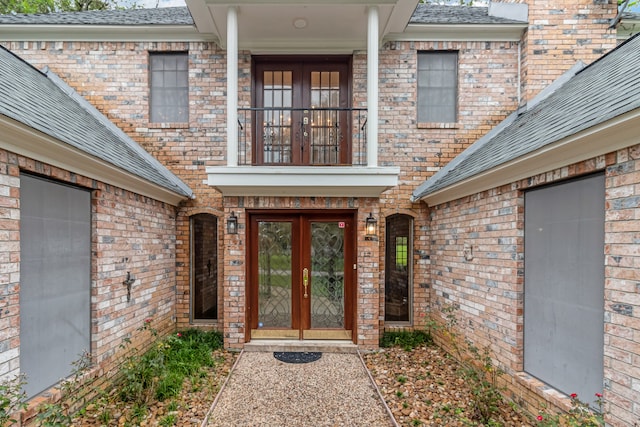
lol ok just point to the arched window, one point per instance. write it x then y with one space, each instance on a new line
398 268
204 267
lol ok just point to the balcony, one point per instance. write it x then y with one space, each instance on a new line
302 152
302 137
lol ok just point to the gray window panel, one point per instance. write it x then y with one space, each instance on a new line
564 285
169 81
437 86
55 268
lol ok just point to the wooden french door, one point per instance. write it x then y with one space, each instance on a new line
301 111
301 275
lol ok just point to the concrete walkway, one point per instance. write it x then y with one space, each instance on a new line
335 390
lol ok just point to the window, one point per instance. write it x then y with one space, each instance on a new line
437 87
55 275
204 267
169 85
564 285
397 283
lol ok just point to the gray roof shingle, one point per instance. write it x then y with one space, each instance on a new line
600 92
424 14
42 101
439 14
158 16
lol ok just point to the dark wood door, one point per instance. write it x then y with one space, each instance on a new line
301 111
301 276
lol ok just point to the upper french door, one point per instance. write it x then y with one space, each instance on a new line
301 276
302 116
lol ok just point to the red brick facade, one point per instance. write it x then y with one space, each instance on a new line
152 240
129 233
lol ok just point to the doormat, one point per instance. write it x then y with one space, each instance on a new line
297 356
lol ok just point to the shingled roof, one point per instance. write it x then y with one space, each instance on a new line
600 92
42 101
424 14
158 16
442 14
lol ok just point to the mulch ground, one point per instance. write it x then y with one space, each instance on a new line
422 387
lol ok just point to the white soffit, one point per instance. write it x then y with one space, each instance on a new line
25 141
268 26
328 181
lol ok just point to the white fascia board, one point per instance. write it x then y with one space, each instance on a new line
30 143
329 181
104 33
467 32
284 46
608 137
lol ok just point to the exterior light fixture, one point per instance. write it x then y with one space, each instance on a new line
232 224
371 228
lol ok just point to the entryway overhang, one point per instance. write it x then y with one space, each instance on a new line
312 181
269 26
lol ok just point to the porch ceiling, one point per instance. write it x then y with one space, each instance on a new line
301 26
312 181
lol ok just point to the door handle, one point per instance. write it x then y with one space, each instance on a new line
305 281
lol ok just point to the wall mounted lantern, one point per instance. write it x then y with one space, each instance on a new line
371 228
232 224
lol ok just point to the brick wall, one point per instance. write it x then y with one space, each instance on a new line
622 287
560 33
9 266
129 233
489 288
421 149
113 76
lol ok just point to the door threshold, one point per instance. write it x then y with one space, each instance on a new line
325 346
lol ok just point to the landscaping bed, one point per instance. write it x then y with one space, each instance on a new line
420 383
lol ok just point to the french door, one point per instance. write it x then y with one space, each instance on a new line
301 111
301 276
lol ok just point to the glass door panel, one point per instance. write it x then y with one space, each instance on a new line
277 99
274 275
327 272
325 137
301 111
298 283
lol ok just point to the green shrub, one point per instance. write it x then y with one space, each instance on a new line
160 372
407 340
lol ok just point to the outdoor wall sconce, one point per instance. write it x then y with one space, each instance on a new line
371 228
130 280
232 224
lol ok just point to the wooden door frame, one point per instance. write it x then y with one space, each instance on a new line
300 64
251 296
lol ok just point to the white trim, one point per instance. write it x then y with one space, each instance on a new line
372 86
460 32
608 137
103 33
303 181
28 142
232 86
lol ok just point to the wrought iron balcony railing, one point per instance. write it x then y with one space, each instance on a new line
302 136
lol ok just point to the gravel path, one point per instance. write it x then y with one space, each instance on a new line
333 391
